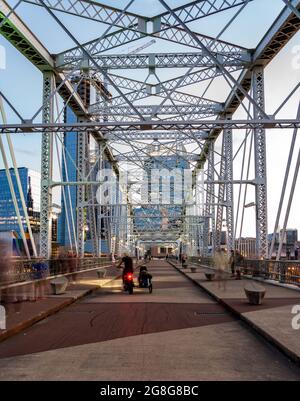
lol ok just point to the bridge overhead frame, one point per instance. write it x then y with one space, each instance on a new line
174 119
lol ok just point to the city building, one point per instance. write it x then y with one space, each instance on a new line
247 247
9 225
290 245
161 218
31 186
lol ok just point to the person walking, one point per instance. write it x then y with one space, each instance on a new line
220 261
232 262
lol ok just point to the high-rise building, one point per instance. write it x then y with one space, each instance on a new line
65 234
31 186
67 220
160 217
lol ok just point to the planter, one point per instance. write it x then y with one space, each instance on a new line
210 276
193 269
59 285
255 294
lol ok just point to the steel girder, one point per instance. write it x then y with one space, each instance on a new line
260 168
17 33
131 156
149 90
286 25
150 125
46 167
99 12
209 208
156 109
91 194
81 189
124 36
221 196
20 36
158 60
228 155
119 38
156 135
144 90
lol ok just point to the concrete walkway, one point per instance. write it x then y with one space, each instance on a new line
176 333
21 315
272 319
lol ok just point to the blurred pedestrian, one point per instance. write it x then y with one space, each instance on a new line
239 258
221 262
72 262
232 262
40 274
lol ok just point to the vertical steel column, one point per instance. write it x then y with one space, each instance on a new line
81 164
260 167
221 194
46 166
209 209
229 188
99 208
91 195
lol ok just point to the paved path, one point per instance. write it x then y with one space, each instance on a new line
273 318
22 315
176 333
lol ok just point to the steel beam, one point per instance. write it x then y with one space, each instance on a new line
280 33
157 109
150 125
260 168
82 153
46 167
229 189
156 60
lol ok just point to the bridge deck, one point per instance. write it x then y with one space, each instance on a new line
112 335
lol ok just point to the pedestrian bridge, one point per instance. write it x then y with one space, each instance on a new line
158 158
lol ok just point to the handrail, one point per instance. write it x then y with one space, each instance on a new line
285 272
22 270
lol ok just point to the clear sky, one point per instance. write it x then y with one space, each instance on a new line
22 83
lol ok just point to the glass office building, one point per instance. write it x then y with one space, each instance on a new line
31 186
65 235
161 217
69 173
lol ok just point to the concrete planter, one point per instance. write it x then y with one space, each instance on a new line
210 276
255 294
59 285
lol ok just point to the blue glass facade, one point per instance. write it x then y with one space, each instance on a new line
150 218
69 173
30 182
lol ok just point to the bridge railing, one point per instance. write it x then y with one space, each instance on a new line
22 270
287 272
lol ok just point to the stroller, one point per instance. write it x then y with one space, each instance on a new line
145 279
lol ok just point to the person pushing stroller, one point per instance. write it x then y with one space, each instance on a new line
145 278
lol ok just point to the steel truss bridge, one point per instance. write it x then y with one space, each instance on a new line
161 113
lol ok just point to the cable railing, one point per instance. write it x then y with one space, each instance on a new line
14 270
285 272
